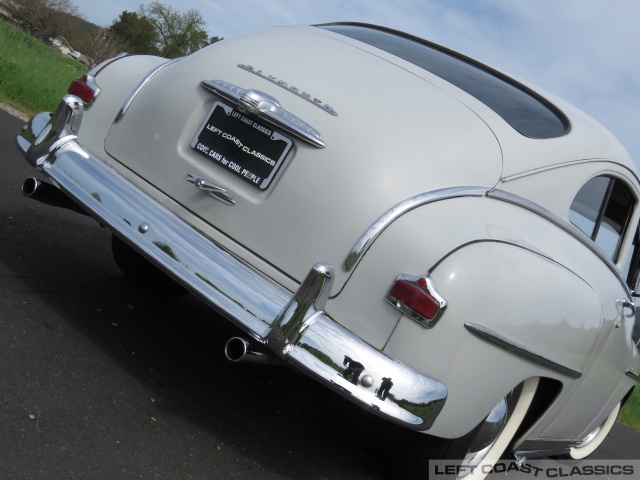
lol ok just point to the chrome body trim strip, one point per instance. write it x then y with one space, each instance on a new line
632 375
520 350
531 449
92 84
100 67
560 222
294 325
533 454
266 108
390 216
134 93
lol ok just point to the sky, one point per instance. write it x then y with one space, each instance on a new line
585 51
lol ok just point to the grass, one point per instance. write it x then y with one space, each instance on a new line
630 414
33 76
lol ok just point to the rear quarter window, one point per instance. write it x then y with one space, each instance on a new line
602 210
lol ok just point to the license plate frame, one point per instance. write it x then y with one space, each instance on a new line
239 143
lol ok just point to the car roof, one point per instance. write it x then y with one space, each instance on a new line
534 128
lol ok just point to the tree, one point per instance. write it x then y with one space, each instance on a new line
100 44
44 19
136 32
179 34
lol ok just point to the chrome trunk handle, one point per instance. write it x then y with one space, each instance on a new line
216 191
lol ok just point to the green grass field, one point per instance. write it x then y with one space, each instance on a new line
33 76
630 414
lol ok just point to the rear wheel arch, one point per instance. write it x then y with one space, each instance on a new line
476 452
547 393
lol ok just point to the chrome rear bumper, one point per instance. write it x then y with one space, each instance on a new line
292 325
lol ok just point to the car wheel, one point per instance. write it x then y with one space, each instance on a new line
479 450
595 438
142 272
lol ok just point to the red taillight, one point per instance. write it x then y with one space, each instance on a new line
83 88
417 298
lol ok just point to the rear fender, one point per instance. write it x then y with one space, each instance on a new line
116 81
512 314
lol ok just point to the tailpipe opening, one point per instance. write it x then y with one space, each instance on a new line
240 349
51 195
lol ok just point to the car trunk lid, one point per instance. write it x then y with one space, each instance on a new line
389 134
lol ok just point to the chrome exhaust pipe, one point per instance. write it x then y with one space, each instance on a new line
46 193
239 349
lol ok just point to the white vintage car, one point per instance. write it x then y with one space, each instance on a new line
443 245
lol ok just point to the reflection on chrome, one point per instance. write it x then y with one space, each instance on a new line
383 391
415 400
45 133
488 433
353 369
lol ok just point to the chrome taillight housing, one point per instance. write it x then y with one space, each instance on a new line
85 88
417 297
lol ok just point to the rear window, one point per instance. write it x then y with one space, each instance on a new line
527 112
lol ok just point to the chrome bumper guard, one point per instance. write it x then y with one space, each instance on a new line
293 326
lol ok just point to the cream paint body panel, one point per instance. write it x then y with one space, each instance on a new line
371 162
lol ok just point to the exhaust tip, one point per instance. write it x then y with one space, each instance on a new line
30 186
49 194
236 349
241 350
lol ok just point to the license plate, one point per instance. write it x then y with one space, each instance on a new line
242 145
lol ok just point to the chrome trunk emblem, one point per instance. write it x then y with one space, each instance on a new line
267 108
290 88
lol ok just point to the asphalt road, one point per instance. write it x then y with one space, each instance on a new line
101 380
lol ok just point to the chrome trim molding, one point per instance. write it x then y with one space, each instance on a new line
531 449
294 325
134 93
100 67
266 108
365 241
92 84
632 375
524 455
374 231
290 88
520 350
560 223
